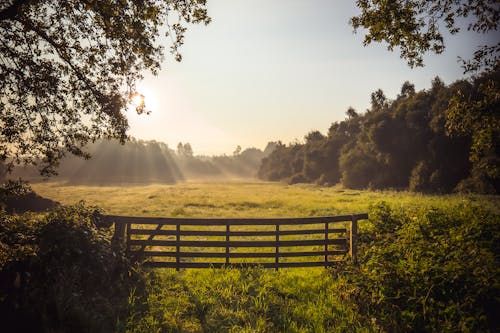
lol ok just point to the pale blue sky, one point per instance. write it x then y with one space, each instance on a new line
267 70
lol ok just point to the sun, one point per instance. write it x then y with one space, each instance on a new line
143 100
138 100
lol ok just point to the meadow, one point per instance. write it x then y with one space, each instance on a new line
245 199
426 263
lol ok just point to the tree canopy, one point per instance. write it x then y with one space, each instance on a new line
69 70
416 26
421 141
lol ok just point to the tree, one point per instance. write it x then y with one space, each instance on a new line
378 100
415 26
184 150
69 70
237 151
477 114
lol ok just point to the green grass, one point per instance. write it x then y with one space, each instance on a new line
244 199
413 257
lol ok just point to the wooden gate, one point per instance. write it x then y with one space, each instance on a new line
270 243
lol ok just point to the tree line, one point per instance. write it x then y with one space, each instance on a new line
441 139
141 161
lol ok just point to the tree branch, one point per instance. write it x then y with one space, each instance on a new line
13 10
63 56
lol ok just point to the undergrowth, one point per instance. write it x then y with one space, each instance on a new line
59 273
421 268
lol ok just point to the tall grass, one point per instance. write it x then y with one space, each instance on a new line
426 263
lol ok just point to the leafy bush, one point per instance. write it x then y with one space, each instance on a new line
59 273
431 270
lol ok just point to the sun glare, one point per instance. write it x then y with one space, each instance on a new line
138 100
144 98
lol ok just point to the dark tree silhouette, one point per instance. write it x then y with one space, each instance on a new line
419 141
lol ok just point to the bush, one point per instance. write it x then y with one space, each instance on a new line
431 270
298 179
59 273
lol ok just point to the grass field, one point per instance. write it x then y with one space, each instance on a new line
243 199
427 263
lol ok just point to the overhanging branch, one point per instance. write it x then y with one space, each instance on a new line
13 9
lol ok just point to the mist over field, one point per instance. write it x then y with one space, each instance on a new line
147 162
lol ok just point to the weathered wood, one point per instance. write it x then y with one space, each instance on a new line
223 222
127 242
277 249
281 254
172 264
228 230
205 243
177 246
119 237
151 235
326 243
127 227
353 238
235 233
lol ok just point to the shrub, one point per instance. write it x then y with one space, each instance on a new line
297 179
431 270
58 273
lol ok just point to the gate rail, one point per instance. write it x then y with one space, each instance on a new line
154 245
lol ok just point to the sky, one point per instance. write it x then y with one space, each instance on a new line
269 70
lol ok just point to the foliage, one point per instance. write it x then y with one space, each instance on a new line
12 188
434 270
69 70
436 140
415 26
477 115
59 273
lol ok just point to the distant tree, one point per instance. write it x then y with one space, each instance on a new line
378 100
407 89
69 70
314 136
351 113
188 151
237 151
270 148
184 150
415 26
180 149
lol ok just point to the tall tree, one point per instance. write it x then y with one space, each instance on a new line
68 70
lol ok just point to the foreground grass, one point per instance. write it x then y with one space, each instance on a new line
243 300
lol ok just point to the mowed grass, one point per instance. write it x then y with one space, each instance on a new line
244 199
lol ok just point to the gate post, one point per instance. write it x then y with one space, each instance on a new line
277 249
228 230
353 238
177 246
119 236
